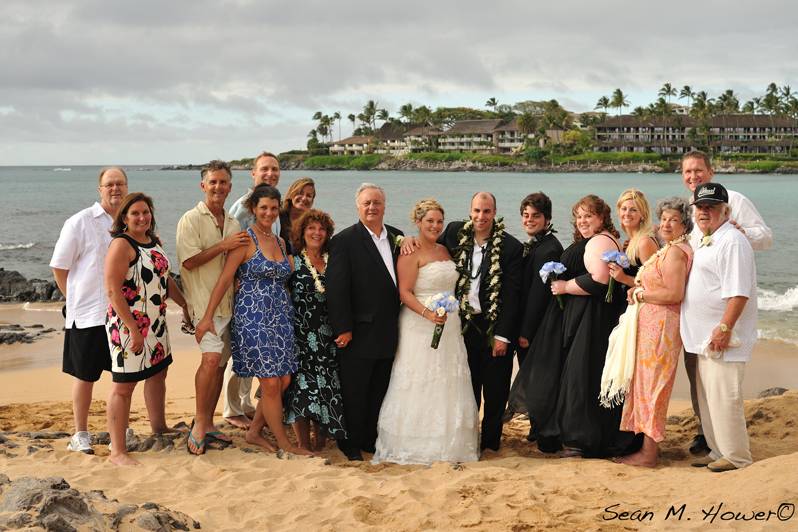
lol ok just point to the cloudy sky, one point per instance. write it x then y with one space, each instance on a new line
150 82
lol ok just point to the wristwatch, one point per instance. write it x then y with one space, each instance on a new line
724 328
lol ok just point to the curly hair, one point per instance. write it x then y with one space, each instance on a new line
302 223
119 226
260 192
595 205
422 207
679 205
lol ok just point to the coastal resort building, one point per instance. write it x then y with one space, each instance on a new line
357 145
475 136
422 138
732 133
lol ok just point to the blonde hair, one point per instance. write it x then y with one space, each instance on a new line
423 206
646 229
295 189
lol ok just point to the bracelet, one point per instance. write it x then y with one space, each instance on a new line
423 311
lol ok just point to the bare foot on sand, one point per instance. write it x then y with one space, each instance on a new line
257 439
241 422
123 460
299 450
637 459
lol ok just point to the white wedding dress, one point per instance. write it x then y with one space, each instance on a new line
429 413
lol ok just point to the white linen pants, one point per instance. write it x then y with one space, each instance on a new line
720 400
237 394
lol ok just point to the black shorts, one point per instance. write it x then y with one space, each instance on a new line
86 353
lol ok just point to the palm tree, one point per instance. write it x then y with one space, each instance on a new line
382 114
422 115
728 102
337 116
406 111
786 95
370 113
687 92
619 100
527 124
352 118
492 102
667 91
317 115
603 103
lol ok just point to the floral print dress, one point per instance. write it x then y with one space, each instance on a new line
144 290
315 391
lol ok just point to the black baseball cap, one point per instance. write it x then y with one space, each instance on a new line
710 193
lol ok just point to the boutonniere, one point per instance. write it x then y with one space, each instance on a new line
706 240
396 241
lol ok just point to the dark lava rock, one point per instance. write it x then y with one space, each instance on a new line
41 435
771 392
15 287
51 504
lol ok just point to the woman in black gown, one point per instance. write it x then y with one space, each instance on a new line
560 378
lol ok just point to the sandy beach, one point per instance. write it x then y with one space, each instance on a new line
517 488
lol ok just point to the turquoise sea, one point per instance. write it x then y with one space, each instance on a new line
36 201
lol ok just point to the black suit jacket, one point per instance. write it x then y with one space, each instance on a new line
361 295
536 295
510 264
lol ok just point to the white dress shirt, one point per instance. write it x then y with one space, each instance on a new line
81 249
747 217
723 269
384 248
477 255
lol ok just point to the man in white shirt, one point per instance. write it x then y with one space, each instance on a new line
697 170
718 326
204 236
78 263
238 408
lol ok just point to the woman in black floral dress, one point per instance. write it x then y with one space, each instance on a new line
315 392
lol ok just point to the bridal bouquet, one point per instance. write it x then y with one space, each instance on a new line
619 258
440 303
551 270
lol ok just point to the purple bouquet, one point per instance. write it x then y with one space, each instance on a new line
619 258
440 304
551 270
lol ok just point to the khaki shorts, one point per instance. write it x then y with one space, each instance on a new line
219 342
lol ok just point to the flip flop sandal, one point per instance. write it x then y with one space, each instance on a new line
215 437
198 445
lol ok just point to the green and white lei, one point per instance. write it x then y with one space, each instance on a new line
462 258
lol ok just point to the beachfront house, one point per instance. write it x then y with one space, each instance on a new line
357 145
475 136
390 139
732 133
422 138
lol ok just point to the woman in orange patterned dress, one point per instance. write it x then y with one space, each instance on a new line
659 287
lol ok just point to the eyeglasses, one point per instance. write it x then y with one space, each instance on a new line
114 185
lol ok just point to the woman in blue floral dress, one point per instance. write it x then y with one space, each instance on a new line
315 393
262 335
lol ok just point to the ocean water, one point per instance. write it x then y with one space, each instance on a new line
36 201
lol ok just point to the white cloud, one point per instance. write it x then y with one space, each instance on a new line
153 81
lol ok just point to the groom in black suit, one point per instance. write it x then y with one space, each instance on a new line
489 262
363 304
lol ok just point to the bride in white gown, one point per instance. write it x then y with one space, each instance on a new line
429 413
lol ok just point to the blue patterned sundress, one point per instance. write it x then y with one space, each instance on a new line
263 318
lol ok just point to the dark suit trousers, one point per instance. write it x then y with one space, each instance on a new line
364 382
489 376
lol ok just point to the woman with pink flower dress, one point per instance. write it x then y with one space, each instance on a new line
137 282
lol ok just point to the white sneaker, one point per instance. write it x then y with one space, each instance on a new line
130 438
80 442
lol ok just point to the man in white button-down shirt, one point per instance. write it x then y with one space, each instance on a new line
77 265
697 170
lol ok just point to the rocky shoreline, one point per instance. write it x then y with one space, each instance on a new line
15 287
412 165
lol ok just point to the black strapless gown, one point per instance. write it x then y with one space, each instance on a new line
558 384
